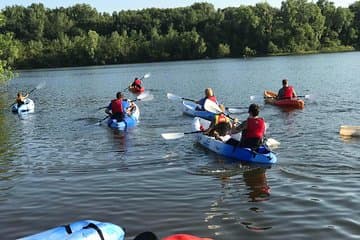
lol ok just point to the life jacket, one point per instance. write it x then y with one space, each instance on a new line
212 98
221 118
288 92
255 128
117 106
137 84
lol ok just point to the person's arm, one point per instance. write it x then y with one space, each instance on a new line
294 93
108 110
280 93
239 128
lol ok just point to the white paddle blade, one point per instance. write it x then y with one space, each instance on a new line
173 96
235 110
172 136
147 75
145 96
211 106
273 143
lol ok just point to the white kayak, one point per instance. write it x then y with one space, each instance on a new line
350 131
27 107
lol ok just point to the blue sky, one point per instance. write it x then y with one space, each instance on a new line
117 5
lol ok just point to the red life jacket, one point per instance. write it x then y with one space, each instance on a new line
184 237
137 83
255 128
221 118
212 98
288 92
116 106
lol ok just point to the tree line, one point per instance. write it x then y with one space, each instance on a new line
36 36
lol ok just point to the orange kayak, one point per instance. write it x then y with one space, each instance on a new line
292 103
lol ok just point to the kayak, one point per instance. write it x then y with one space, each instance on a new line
190 108
129 121
292 103
349 131
136 90
261 156
81 230
27 107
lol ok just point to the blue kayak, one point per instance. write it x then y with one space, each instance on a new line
191 109
81 230
261 156
129 121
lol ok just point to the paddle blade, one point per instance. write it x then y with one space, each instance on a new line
173 97
146 75
272 143
172 136
211 106
41 85
235 110
145 96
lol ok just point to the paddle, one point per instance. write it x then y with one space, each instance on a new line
172 96
175 97
211 106
145 96
308 96
172 136
39 86
271 142
143 77
99 122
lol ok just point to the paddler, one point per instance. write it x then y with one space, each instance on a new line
136 85
286 92
252 129
119 107
220 126
209 94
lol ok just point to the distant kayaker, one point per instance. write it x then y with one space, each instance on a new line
220 126
209 94
152 236
119 107
20 99
136 85
286 91
252 130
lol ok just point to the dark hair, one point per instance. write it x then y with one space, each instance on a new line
146 236
254 109
284 81
119 95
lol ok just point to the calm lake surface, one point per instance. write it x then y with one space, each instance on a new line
58 166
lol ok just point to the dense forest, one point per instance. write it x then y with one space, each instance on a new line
35 36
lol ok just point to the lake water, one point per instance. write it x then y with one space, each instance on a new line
58 166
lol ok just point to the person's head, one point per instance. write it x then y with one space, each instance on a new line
254 109
146 236
119 95
136 78
19 94
209 92
285 82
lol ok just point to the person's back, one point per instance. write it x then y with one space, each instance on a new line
20 99
209 94
253 129
116 107
286 91
220 126
137 84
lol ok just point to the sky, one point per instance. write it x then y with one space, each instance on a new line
118 5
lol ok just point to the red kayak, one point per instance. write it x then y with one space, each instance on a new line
291 103
136 90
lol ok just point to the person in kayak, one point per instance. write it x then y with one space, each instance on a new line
252 129
220 126
152 236
136 85
286 91
20 99
119 107
209 94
